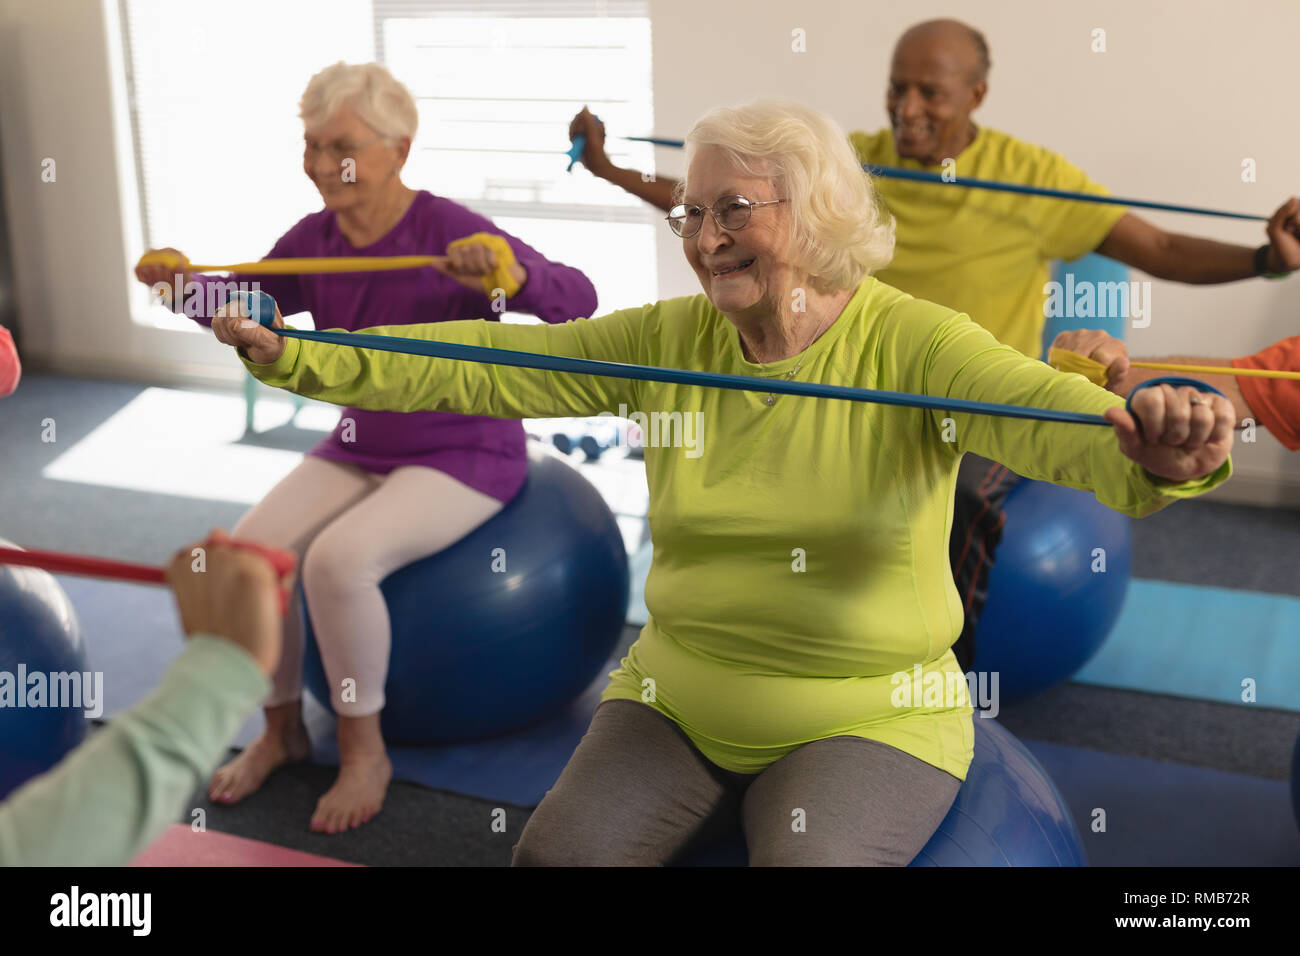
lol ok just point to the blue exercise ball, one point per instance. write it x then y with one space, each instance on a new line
1050 606
478 652
39 635
1106 307
1007 813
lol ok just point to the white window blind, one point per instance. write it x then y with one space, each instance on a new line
497 83
213 89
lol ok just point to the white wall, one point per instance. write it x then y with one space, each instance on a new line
1184 92
69 255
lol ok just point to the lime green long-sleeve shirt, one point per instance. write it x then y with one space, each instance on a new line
801 548
112 796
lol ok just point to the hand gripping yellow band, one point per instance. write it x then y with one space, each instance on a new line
1063 360
165 259
500 277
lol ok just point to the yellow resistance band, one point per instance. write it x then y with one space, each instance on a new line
1221 370
1067 361
499 278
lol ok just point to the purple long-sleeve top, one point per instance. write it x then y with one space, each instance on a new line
486 454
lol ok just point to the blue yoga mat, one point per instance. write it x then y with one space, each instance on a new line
1168 814
133 634
1200 642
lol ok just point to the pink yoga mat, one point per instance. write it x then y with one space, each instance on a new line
182 846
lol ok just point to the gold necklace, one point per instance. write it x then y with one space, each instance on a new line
771 397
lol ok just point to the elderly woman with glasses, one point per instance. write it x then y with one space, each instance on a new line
385 489
801 551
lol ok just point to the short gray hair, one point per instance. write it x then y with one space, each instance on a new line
842 231
378 99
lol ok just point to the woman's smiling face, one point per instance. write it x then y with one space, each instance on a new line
745 270
349 162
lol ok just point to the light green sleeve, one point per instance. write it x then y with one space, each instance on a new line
965 361
388 381
114 795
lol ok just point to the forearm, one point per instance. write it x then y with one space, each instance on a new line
1229 385
555 292
970 364
1190 259
378 380
1206 262
111 797
656 190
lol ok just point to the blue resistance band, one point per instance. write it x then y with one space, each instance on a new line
918 175
261 307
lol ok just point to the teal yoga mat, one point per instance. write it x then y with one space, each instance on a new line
1201 642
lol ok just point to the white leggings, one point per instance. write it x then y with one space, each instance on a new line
350 529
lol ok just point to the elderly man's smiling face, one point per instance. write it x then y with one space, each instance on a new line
935 82
745 270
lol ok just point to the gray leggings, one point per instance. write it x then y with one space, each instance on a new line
637 792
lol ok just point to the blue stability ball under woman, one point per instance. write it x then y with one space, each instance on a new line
510 623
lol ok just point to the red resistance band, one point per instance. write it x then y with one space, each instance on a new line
282 561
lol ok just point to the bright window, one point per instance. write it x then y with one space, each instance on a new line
496 91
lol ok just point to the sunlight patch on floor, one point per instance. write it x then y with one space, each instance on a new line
169 441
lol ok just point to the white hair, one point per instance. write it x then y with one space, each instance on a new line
842 231
378 99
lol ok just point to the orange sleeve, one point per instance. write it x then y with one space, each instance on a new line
10 368
1275 402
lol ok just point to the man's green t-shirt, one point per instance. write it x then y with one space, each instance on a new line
983 252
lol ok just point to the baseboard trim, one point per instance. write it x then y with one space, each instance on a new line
170 375
1258 491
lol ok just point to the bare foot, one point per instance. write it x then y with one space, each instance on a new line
248 771
356 796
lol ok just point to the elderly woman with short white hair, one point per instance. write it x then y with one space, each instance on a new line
801 560
386 488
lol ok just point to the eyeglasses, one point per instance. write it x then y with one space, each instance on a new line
729 212
337 151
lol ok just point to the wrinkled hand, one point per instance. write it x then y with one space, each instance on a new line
232 325
1184 434
1099 346
1284 237
233 594
470 262
594 156
158 274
